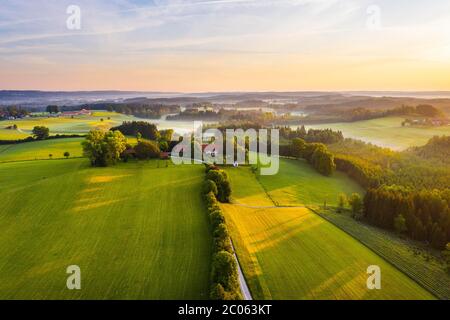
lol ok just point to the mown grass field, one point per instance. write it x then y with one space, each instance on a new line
38 150
297 183
387 132
136 230
292 253
62 125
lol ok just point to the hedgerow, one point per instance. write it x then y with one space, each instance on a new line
224 270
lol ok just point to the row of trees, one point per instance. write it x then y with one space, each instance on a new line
221 181
316 154
358 114
326 136
147 130
423 110
422 215
365 173
143 110
224 271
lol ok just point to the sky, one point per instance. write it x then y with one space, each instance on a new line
225 45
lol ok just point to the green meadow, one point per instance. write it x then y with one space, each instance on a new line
137 230
39 150
387 132
62 125
291 252
297 184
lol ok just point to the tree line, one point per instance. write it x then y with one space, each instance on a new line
359 114
149 111
316 154
406 191
224 271
327 136
147 130
423 215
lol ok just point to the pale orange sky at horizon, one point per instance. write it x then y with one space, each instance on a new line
245 45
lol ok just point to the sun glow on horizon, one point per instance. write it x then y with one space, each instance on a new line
226 45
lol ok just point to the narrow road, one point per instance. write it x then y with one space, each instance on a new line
242 283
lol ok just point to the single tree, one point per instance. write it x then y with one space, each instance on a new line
41 132
356 203
67 154
342 202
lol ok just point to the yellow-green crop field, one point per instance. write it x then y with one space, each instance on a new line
292 253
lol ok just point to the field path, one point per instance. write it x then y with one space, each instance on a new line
267 207
288 251
242 283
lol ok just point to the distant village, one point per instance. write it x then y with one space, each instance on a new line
426 122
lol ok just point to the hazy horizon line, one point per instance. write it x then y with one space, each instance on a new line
225 91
